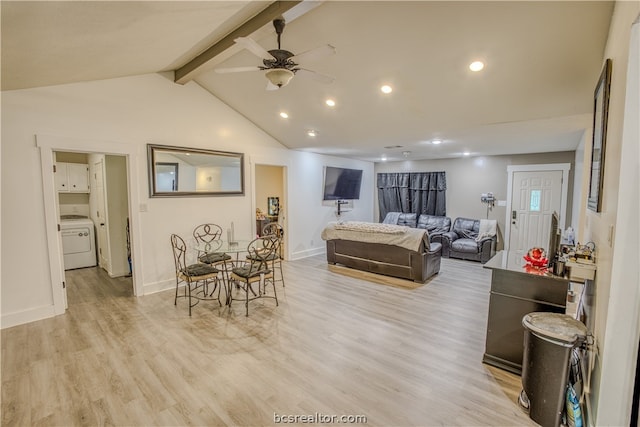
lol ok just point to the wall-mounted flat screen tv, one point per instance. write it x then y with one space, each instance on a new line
341 183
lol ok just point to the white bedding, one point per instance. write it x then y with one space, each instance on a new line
371 227
410 239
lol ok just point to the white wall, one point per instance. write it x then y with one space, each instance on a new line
307 212
577 216
136 111
467 178
615 231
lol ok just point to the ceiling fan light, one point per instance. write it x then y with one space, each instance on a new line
279 76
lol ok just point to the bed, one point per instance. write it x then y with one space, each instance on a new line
388 249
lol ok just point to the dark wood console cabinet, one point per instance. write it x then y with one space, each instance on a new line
516 292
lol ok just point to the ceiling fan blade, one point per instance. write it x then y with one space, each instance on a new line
236 69
314 54
253 47
322 78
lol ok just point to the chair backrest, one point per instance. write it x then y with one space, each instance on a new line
401 218
262 251
466 227
179 253
274 229
207 233
408 219
434 224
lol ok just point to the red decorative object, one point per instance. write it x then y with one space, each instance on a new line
539 271
536 257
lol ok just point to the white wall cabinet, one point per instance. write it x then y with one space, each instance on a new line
72 177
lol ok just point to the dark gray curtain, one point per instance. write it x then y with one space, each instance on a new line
427 192
393 193
416 192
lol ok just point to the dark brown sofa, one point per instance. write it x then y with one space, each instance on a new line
388 259
463 242
435 225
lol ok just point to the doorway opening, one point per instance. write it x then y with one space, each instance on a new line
92 201
126 157
270 199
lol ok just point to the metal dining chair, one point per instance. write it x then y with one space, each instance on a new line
209 234
275 229
257 270
200 281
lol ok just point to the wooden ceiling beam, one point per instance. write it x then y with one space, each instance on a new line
188 71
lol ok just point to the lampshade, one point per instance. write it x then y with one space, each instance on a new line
279 76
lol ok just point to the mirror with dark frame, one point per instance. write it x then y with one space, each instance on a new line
182 172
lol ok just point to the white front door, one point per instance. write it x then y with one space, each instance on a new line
535 196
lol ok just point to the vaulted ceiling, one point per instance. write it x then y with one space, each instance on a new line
535 94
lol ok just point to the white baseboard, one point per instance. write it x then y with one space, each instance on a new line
307 253
26 316
152 288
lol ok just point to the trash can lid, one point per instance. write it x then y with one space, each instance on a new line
557 326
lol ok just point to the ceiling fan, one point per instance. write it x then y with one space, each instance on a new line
281 65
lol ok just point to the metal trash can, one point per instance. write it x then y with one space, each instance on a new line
549 339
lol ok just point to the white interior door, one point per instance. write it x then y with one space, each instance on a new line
535 196
99 216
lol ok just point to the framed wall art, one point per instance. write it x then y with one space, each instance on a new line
600 113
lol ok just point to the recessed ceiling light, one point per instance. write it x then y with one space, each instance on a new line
383 158
476 66
436 141
330 102
284 115
386 89
466 153
312 132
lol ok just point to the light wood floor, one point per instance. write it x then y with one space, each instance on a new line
336 345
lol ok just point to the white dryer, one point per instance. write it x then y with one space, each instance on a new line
78 241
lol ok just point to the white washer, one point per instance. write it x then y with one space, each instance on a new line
78 241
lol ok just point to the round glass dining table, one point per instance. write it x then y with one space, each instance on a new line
224 247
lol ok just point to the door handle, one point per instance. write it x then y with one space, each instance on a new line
102 224
514 214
